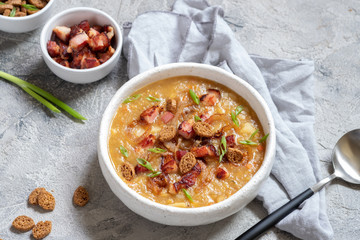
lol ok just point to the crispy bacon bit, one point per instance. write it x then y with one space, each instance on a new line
230 141
89 63
186 129
65 63
100 42
204 151
221 173
149 115
189 179
168 164
103 57
79 57
211 98
156 184
109 31
98 28
140 169
62 32
78 42
75 30
180 154
92 33
63 51
53 49
166 117
84 25
148 141
204 116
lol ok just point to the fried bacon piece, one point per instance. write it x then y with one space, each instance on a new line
211 98
75 30
189 179
140 169
221 173
78 42
230 141
167 116
62 32
89 63
99 42
84 25
180 154
63 51
168 164
103 57
92 33
148 141
53 49
149 115
156 184
204 151
109 31
186 129
79 58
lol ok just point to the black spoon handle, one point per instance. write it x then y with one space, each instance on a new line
276 216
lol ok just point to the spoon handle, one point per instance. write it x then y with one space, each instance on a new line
276 216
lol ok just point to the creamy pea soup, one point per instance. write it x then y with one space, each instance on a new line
186 142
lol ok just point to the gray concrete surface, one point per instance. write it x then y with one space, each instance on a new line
38 148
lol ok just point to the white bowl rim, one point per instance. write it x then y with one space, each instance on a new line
258 176
27 17
43 41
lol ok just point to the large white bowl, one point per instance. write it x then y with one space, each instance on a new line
187 216
27 23
69 18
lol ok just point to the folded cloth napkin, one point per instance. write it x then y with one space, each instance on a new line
194 31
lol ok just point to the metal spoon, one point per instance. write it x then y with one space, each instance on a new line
346 162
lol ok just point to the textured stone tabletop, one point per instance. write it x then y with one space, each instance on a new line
38 148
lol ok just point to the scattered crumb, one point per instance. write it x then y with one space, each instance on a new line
42 229
23 223
81 196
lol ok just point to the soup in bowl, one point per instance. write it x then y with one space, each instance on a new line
186 144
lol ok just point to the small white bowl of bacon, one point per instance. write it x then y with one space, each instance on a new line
81 45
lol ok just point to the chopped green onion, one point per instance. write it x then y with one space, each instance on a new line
263 139
30 7
222 148
238 110
248 142
197 118
157 150
194 97
234 119
41 95
1 3
253 134
145 164
13 12
153 174
153 99
124 151
187 195
132 98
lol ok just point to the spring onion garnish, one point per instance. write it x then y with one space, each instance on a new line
253 134
124 151
187 195
248 142
153 174
1 3
222 148
197 118
235 114
263 139
30 7
132 98
153 99
148 166
157 150
13 12
42 96
194 97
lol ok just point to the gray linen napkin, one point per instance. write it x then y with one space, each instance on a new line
195 32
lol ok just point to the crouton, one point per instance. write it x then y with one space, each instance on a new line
23 223
234 155
41 229
127 171
167 133
81 196
187 162
203 129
